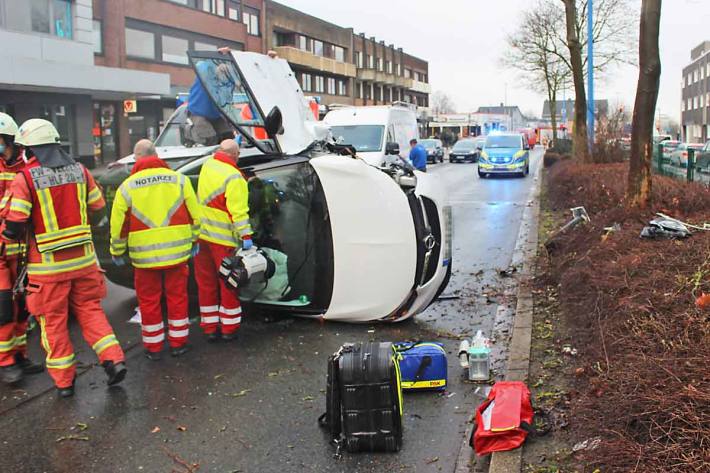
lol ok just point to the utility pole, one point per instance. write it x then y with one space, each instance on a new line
590 74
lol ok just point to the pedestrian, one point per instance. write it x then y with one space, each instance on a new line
55 200
223 195
155 216
417 155
14 363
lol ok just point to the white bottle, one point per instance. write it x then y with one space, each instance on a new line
463 353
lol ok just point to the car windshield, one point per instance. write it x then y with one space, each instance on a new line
504 141
365 138
428 144
467 145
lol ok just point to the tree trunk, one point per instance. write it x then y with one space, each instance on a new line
579 144
639 185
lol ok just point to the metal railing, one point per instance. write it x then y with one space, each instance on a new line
693 171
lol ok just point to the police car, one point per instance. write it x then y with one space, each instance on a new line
351 241
505 153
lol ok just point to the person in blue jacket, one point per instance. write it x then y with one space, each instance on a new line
417 156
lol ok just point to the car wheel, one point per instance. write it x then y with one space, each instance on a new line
481 175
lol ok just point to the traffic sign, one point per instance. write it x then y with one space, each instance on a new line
130 106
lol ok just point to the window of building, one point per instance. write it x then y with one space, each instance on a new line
378 93
388 66
358 90
216 7
233 10
690 104
682 105
320 84
370 62
359 59
250 17
399 69
98 37
52 17
306 82
199 46
695 76
690 79
380 64
318 48
707 99
339 53
702 73
407 73
174 50
284 39
331 86
140 44
416 76
695 103
342 87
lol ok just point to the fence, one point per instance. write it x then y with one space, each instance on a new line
693 171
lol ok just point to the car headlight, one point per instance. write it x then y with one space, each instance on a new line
520 157
483 156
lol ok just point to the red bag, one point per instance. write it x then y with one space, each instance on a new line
504 420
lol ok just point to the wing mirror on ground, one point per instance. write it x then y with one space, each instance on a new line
392 148
273 124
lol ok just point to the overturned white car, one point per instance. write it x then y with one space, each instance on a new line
351 242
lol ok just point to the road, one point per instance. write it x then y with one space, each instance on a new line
252 405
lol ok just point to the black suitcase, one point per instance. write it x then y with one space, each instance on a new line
364 398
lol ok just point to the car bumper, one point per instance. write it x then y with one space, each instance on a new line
457 158
501 168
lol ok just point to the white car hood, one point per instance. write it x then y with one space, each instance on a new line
274 85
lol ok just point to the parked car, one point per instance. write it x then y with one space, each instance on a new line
702 158
668 146
505 153
434 150
679 157
464 150
370 130
340 253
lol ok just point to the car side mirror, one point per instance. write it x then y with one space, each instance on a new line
273 124
392 148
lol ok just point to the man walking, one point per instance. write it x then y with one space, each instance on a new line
156 217
14 363
223 196
51 200
417 155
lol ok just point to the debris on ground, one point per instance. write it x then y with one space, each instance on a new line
660 228
589 444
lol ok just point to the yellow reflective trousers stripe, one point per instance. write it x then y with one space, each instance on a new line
104 343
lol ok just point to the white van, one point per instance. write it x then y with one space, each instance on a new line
374 130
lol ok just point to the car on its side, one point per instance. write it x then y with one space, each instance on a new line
679 156
350 241
434 150
464 150
505 153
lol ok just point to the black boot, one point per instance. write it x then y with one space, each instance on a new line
213 337
66 392
10 374
27 366
179 351
153 355
228 337
115 372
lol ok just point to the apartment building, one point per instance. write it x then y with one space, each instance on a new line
695 95
339 66
153 36
49 70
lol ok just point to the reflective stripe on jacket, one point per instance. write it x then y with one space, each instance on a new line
224 202
156 217
7 175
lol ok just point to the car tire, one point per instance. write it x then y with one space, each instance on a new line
482 175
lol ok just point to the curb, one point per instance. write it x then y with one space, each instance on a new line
518 366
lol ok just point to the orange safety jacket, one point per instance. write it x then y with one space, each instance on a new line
56 203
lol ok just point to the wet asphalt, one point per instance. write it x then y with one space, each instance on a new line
252 405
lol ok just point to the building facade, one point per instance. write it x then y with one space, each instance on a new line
341 67
695 95
49 70
153 36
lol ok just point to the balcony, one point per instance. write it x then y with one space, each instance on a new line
421 87
378 77
318 63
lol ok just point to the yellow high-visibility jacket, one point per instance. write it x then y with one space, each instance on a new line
156 216
224 202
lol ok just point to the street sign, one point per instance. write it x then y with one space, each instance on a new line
130 106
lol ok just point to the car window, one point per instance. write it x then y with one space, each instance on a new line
504 141
465 145
365 138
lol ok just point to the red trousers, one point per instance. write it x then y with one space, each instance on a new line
51 302
13 337
151 284
219 304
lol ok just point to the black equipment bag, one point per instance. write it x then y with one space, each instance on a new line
364 398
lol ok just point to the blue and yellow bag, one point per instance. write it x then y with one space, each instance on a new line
423 365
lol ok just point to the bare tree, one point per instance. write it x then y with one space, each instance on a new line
532 51
442 103
639 185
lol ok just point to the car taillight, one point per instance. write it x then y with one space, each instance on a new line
685 154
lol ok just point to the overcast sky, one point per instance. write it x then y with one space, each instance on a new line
463 41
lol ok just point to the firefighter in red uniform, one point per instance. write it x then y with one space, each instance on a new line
223 196
155 216
13 317
51 199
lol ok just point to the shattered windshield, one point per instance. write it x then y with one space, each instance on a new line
225 86
365 138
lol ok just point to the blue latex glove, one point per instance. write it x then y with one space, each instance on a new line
195 250
247 244
118 260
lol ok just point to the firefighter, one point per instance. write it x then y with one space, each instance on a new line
13 317
223 195
56 201
156 217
